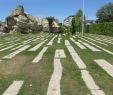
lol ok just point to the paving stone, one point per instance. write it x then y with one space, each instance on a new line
89 80
51 41
14 88
6 48
37 46
13 54
76 57
67 43
36 39
105 65
60 35
106 41
89 46
71 49
16 47
96 41
97 92
78 61
78 44
54 84
98 46
40 55
6 45
1 44
60 53
59 40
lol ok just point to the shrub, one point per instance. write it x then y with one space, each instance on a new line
100 28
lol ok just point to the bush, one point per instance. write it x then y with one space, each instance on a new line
100 28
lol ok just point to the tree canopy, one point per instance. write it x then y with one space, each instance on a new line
50 21
77 22
105 13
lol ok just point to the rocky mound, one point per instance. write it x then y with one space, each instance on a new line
19 21
22 22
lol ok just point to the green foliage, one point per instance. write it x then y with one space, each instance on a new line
50 20
73 25
104 25
68 30
79 14
105 13
100 28
77 22
61 28
19 7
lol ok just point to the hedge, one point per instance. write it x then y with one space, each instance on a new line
100 28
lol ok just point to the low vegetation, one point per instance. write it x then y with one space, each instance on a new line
36 76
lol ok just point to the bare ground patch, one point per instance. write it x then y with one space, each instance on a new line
40 75
13 66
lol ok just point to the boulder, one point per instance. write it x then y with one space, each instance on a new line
45 25
22 18
10 21
23 25
31 18
55 27
18 11
19 21
36 27
4 28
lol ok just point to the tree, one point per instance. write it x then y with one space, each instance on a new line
61 28
73 25
105 13
77 22
50 21
79 14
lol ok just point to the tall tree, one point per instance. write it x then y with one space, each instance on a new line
61 28
79 14
105 13
73 26
50 20
77 22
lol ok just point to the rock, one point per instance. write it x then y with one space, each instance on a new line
23 25
4 27
19 21
22 30
55 27
10 21
5 30
30 85
31 18
22 18
45 25
18 11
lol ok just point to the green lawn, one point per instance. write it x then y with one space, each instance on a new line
36 77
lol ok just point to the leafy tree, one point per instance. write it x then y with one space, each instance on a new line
61 28
77 22
50 20
73 25
105 13
79 14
